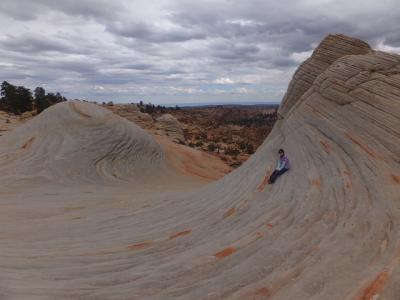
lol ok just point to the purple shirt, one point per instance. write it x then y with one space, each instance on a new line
283 163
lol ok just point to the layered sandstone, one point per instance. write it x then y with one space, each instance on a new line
330 49
327 229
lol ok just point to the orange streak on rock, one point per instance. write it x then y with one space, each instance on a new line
396 178
140 245
182 233
269 225
378 284
230 212
226 252
316 182
348 185
264 292
316 111
375 287
258 235
363 146
325 146
263 183
28 143
347 173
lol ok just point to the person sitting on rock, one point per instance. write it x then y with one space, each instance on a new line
282 167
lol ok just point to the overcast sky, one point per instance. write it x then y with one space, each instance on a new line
177 51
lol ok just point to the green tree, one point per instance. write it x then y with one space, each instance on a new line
250 149
211 147
24 100
242 145
15 99
40 100
8 95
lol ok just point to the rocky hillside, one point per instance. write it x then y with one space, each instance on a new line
232 133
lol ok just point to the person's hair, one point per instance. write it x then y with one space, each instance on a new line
281 151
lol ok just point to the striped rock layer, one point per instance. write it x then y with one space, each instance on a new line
93 210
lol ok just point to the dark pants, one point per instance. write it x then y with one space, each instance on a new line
276 174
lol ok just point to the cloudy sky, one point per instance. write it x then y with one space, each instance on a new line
177 51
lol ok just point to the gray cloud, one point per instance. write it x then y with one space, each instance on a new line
34 44
152 34
177 50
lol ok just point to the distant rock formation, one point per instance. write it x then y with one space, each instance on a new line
169 126
132 113
166 125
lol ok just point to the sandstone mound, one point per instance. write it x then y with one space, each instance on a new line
169 126
78 141
328 229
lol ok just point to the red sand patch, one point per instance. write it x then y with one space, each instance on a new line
269 225
348 185
226 252
346 173
182 233
396 178
230 212
140 245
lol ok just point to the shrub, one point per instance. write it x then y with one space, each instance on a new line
211 147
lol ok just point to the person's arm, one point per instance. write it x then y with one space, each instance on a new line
279 165
283 164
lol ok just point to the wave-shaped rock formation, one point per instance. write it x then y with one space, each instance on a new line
76 141
327 229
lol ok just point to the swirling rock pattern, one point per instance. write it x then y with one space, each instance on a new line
77 141
327 229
